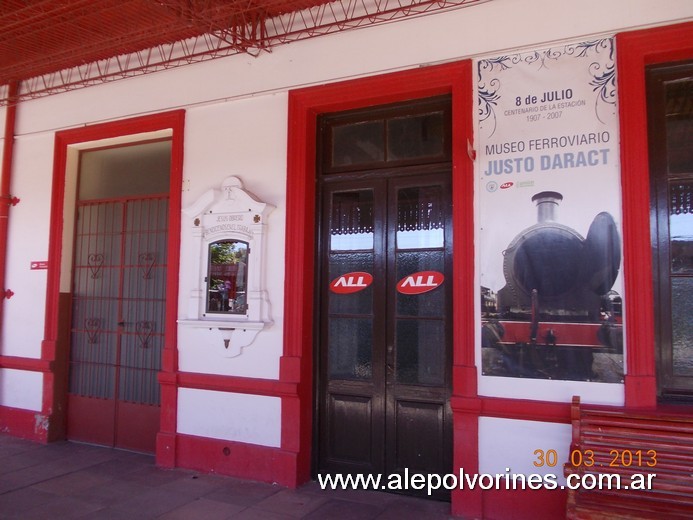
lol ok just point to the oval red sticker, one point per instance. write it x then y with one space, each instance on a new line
351 282
420 282
506 185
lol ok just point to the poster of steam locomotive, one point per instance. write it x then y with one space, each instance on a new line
550 245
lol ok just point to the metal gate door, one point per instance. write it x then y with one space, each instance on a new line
118 309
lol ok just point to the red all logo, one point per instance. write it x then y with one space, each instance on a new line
351 282
420 282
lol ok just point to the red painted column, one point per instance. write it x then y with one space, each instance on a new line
5 182
636 50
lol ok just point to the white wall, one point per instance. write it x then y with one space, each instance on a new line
28 230
501 453
247 139
235 417
21 389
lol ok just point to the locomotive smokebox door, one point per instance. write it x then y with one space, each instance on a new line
602 254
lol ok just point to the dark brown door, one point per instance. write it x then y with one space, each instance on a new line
119 296
385 330
670 106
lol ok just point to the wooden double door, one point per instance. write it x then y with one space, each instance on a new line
384 341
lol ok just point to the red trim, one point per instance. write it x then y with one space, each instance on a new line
526 504
5 186
92 420
636 50
237 459
25 424
296 364
519 409
52 351
28 424
241 385
22 363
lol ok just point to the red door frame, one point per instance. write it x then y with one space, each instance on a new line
297 362
635 51
53 351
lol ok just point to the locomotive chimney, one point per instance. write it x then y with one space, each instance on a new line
547 202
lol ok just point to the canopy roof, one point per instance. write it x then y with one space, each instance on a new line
48 46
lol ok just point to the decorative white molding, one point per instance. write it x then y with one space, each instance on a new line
228 214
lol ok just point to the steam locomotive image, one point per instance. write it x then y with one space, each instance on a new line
557 308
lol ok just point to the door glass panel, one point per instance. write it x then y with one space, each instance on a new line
97 250
367 140
351 221
681 227
420 343
420 352
419 218
682 325
350 348
428 304
670 112
358 143
350 323
94 347
139 365
360 302
139 169
144 272
119 299
144 295
96 279
679 125
421 135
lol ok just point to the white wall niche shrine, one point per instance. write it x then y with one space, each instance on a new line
228 297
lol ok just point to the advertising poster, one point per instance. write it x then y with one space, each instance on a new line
550 214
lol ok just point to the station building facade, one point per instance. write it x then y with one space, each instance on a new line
369 252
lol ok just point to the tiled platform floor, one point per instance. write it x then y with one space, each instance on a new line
68 480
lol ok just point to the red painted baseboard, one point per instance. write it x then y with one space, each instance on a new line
235 459
522 504
25 424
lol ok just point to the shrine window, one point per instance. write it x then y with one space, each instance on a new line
227 277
